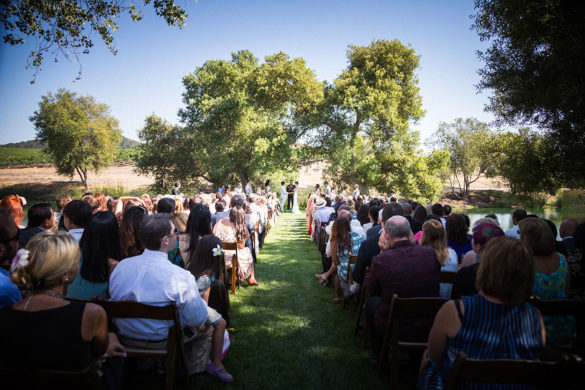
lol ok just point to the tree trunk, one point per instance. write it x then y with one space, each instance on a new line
243 177
83 176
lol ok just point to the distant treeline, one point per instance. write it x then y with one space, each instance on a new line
11 156
126 143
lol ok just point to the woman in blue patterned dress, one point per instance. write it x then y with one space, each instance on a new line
343 242
551 276
497 323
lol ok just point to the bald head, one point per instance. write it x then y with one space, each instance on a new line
397 227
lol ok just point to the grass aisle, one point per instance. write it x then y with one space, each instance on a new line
290 333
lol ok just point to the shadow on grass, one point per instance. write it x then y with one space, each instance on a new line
290 333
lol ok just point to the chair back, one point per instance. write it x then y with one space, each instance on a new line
554 375
351 260
447 277
235 281
132 309
558 307
399 309
26 378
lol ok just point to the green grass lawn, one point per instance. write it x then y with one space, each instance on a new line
290 333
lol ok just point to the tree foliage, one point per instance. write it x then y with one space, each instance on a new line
466 140
364 122
523 161
240 121
79 132
66 27
534 67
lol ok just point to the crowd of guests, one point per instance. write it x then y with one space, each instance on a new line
402 247
153 250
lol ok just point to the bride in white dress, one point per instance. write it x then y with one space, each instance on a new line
295 208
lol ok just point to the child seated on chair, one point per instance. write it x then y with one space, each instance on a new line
205 266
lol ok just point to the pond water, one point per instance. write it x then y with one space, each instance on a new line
505 215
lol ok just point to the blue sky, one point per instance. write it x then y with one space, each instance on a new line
146 75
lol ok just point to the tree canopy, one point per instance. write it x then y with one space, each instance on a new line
364 122
65 27
240 120
466 140
79 132
534 67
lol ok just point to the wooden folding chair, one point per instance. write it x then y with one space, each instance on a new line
399 309
235 281
545 375
351 260
563 307
26 378
447 277
364 295
175 347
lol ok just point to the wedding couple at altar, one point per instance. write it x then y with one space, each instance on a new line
288 194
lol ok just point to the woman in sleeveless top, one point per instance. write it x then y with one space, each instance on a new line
498 323
551 276
44 331
198 225
235 230
101 251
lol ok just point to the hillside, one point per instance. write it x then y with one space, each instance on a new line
126 143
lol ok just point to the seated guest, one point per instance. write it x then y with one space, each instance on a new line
208 267
150 278
420 214
45 331
373 217
14 204
434 236
437 209
405 269
464 283
551 275
9 292
40 218
61 203
472 257
343 243
180 255
363 215
77 214
235 230
100 254
219 211
576 262
129 238
498 323
457 228
415 226
166 206
322 209
517 216
369 248
198 225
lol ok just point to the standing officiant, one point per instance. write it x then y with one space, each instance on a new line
290 190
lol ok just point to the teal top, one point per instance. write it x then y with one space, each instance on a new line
83 289
559 329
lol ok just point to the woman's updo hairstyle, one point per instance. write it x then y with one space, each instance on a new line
51 254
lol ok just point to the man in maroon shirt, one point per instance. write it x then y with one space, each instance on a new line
406 269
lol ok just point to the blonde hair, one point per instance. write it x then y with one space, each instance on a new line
51 254
180 221
506 270
351 205
434 236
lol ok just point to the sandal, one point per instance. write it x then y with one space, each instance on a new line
222 374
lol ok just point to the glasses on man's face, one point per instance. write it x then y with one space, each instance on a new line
15 238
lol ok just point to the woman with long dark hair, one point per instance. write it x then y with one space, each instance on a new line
198 225
129 240
458 238
100 253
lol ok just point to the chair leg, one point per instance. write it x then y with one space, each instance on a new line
171 365
360 310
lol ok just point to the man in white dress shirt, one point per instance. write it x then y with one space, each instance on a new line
152 279
517 216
